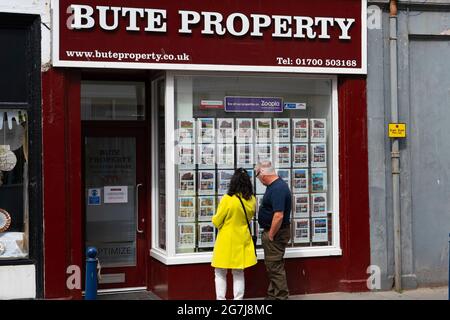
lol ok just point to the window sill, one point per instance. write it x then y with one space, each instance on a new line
16 262
206 257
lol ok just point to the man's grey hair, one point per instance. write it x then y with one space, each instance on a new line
265 168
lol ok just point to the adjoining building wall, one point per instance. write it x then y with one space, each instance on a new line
423 91
42 8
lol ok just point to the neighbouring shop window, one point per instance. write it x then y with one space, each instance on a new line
226 122
13 184
112 100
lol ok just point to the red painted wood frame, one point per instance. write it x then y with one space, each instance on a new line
63 206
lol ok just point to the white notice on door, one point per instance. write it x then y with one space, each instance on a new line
116 194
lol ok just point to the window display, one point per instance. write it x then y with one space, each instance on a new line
207 182
13 184
297 141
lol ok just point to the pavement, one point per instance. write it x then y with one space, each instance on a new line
439 293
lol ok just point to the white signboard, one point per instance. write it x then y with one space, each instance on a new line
116 194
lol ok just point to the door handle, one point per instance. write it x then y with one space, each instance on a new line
137 208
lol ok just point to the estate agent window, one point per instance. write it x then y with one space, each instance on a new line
219 123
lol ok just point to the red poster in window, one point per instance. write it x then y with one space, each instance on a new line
322 36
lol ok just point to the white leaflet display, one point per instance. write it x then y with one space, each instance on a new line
320 229
263 152
225 156
206 207
224 179
319 181
225 128
285 174
206 130
282 130
186 211
186 180
301 231
301 205
260 188
244 155
282 155
186 236
263 130
319 204
206 156
318 130
300 130
244 132
206 182
318 155
300 158
259 199
300 180
186 156
207 236
259 232
186 131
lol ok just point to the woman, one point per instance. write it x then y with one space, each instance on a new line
234 247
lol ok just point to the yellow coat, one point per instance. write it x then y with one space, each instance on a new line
234 247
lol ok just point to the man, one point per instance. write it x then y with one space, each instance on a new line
274 217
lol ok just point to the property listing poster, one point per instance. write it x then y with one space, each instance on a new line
320 229
186 131
186 210
300 130
206 130
206 207
186 236
207 236
301 231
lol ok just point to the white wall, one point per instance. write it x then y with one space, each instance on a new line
17 282
41 7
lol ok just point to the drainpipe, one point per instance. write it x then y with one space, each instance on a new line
395 153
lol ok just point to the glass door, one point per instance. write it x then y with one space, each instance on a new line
116 141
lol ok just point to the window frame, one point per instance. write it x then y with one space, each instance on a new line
169 256
31 103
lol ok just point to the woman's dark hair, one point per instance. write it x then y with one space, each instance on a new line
240 183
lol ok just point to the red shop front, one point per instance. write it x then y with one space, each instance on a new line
149 108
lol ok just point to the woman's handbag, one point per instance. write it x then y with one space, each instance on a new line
254 238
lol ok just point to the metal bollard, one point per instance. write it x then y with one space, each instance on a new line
91 274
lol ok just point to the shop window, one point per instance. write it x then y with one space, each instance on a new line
13 184
108 100
221 123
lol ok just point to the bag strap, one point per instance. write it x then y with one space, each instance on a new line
245 213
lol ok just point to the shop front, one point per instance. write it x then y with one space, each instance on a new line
158 103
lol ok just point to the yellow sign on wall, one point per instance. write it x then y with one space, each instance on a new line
397 130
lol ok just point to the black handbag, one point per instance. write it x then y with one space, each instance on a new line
254 238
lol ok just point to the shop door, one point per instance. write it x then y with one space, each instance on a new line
115 197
